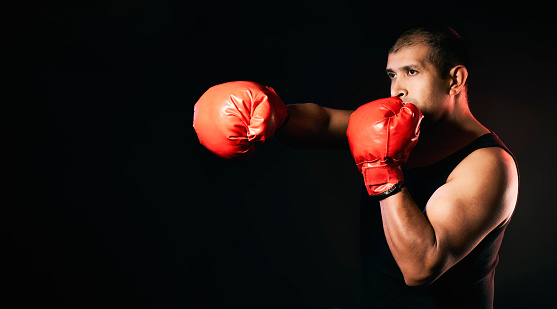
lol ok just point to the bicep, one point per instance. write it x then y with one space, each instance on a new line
479 196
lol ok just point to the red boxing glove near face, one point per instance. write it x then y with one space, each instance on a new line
381 135
230 118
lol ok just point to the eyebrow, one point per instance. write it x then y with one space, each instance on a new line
405 68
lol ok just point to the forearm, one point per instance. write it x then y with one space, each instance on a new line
411 239
313 126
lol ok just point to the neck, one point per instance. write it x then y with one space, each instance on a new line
455 129
456 117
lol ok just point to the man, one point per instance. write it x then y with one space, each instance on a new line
431 229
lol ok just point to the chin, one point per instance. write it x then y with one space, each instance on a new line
427 122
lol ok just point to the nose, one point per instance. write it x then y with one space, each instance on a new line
398 89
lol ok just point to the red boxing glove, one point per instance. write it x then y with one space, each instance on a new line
230 118
381 135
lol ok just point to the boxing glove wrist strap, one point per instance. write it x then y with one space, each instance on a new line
376 175
382 180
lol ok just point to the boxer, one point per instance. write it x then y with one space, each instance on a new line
439 188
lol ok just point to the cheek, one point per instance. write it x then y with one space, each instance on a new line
429 92
425 97
419 92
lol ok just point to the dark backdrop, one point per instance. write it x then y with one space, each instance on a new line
110 201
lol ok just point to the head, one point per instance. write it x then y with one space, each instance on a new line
428 66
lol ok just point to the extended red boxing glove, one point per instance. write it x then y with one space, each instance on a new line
231 118
381 135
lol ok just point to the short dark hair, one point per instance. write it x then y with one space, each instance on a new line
447 48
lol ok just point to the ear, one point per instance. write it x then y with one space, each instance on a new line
458 76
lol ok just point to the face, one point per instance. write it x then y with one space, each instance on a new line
414 79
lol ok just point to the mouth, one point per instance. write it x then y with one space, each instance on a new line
409 100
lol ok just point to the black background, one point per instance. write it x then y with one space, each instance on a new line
111 202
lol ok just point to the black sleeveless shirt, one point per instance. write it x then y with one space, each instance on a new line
468 284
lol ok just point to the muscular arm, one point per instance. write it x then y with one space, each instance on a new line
479 196
314 126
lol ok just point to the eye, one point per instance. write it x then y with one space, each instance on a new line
391 75
412 72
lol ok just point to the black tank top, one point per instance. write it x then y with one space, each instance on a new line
468 284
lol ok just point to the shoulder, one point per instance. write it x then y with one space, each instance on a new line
491 162
487 181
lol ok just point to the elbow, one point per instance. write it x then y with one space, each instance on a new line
420 276
418 280
423 270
